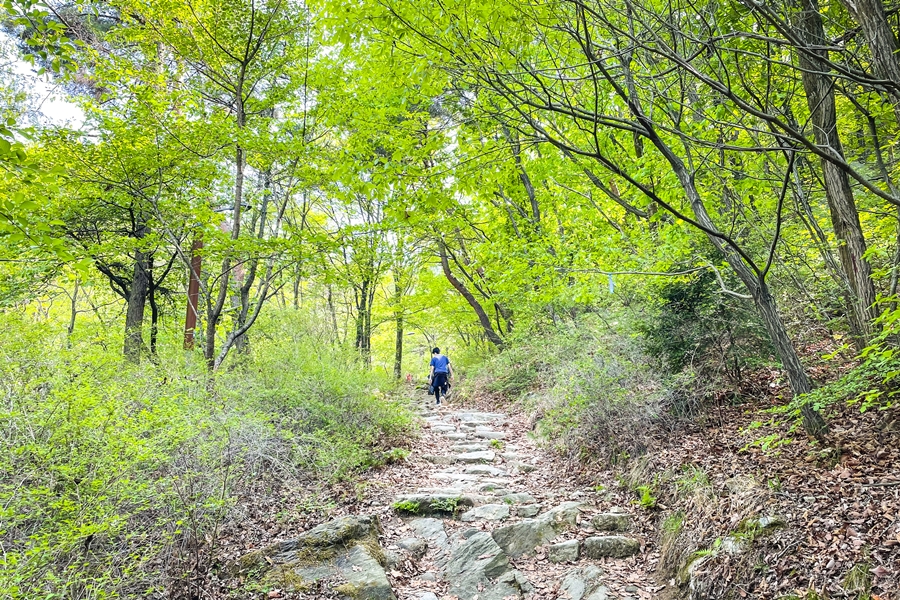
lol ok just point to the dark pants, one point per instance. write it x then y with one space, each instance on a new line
439 383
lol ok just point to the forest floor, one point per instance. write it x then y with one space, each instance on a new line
838 510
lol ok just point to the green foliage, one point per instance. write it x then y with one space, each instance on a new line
646 498
107 466
447 505
593 389
497 444
698 328
407 506
673 524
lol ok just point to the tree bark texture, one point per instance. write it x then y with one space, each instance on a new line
137 299
882 44
819 89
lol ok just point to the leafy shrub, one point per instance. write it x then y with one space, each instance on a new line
700 330
115 478
592 390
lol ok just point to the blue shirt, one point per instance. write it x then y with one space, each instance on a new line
440 363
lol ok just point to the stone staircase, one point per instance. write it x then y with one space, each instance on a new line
470 525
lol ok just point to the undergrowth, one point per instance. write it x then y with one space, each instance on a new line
590 389
116 477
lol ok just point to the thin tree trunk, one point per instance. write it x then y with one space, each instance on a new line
154 322
215 310
470 298
819 89
73 312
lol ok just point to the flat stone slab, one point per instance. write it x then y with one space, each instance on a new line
456 436
470 447
484 470
486 512
481 417
523 537
522 466
519 498
528 510
449 503
444 428
611 546
611 521
563 552
481 456
490 435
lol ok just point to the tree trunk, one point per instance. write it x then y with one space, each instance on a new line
214 311
154 322
813 423
819 89
73 312
137 298
882 44
363 319
470 298
398 347
193 295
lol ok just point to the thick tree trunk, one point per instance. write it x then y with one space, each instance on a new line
470 298
819 89
137 299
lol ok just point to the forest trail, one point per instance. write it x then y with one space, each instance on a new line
477 511
480 512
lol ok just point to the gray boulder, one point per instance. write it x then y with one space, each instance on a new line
345 550
478 567
528 510
611 546
584 584
415 546
523 537
519 498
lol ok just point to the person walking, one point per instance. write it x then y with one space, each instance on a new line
440 374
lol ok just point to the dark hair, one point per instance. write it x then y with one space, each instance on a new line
435 350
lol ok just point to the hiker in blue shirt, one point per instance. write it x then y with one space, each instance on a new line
440 374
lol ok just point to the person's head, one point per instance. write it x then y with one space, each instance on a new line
435 350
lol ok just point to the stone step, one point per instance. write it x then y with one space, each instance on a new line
479 456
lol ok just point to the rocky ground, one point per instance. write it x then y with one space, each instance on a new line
476 512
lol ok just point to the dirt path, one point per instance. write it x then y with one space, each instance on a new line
480 512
